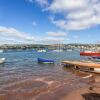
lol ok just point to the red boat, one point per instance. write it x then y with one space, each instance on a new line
90 53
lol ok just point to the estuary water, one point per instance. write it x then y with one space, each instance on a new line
23 78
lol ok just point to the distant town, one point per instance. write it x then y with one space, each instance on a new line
53 46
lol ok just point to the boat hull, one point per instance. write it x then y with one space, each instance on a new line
83 66
41 51
2 60
90 54
40 60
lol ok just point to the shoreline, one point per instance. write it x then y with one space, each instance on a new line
77 94
94 88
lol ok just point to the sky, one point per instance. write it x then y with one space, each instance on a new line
49 21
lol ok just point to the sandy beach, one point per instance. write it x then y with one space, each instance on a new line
92 89
77 95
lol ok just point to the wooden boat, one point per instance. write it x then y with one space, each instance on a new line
41 60
2 60
83 66
90 53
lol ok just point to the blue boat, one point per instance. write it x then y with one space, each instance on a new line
41 60
96 57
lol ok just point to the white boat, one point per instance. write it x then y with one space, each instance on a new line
69 50
1 51
58 50
43 50
97 70
2 60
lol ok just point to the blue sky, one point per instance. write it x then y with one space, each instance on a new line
49 21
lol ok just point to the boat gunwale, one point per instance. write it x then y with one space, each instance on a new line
83 64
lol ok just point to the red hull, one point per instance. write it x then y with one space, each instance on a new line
90 53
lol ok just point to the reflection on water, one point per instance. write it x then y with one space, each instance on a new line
22 78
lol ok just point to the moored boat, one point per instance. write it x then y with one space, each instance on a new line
58 50
90 53
2 60
83 66
1 51
41 50
41 60
96 59
69 50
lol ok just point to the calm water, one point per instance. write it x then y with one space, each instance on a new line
22 78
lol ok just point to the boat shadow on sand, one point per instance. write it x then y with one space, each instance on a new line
91 96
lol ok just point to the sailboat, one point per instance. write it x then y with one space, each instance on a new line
59 49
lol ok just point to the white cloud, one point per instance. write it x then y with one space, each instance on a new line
42 3
64 5
80 15
55 37
10 33
31 1
51 40
77 14
57 34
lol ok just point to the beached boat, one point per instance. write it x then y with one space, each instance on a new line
90 53
83 66
2 60
41 60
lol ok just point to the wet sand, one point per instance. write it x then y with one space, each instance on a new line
88 92
48 88
37 90
57 84
78 94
